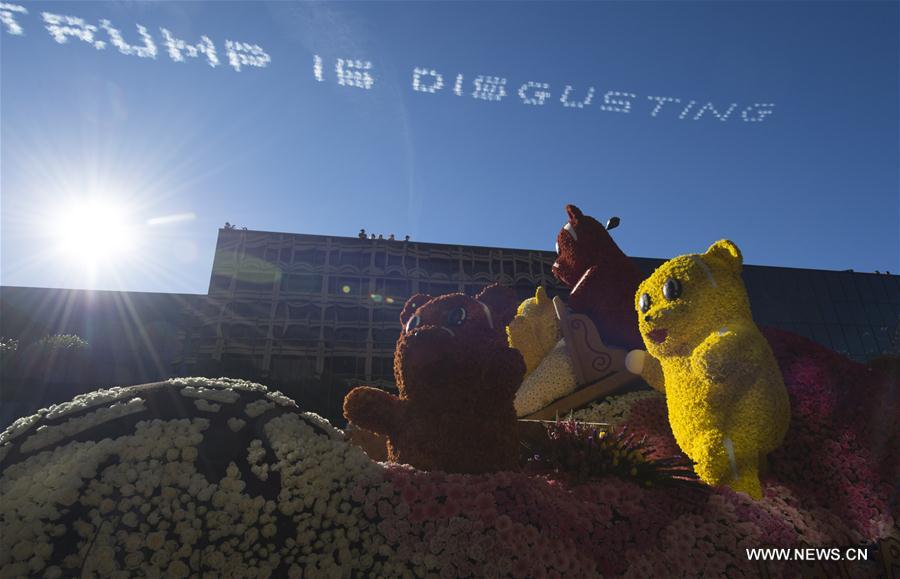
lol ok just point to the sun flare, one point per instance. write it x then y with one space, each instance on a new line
93 232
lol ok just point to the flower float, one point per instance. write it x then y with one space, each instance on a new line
140 481
727 403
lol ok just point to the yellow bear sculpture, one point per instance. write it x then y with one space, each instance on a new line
727 403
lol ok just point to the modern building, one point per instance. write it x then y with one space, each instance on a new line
288 305
315 315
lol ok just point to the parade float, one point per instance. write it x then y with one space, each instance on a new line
198 476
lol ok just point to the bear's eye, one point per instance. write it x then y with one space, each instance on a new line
456 317
644 302
413 322
671 289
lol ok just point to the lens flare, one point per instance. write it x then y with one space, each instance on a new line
93 232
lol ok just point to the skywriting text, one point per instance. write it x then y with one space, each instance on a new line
355 73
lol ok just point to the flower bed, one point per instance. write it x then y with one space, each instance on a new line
144 481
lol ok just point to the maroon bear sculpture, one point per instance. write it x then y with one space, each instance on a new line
457 378
603 280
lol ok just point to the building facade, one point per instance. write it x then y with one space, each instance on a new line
315 315
286 305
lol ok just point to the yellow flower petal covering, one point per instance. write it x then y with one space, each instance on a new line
535 330
552 379
728 406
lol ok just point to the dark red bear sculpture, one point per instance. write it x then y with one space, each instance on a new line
457 378
603 280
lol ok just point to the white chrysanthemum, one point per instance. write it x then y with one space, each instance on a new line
614 410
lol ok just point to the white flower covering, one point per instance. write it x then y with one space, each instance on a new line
136 503
215 394
552 379
317 476
19 427
207 406
48 435
614 409
257 407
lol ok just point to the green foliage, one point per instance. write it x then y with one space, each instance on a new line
62 342
8 345
584 452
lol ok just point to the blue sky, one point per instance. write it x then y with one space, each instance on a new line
813 184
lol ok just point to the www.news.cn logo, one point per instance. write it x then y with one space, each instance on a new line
809 554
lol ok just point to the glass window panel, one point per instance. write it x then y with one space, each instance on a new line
820 334
876 284
437 265
309 256
851 312
255 252
347 365
873 313
785 310
382 368
803 330
890 312
853 341
870 346
439 289
864 285
524 291
351 314
849 284
882 336
254 285
221 282
386 314
826 308
790 288
301 332
891 285
835 289
385 338
837 338
347 286
353 336
299 283
807 310
761 311
357 259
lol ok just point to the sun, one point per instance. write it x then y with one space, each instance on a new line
93 232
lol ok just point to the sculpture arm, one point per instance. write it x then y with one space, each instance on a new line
647 367
374 410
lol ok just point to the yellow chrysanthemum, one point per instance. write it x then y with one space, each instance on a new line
535 330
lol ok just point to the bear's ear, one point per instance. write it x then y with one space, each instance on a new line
412 304
727 252
502 302
574 214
